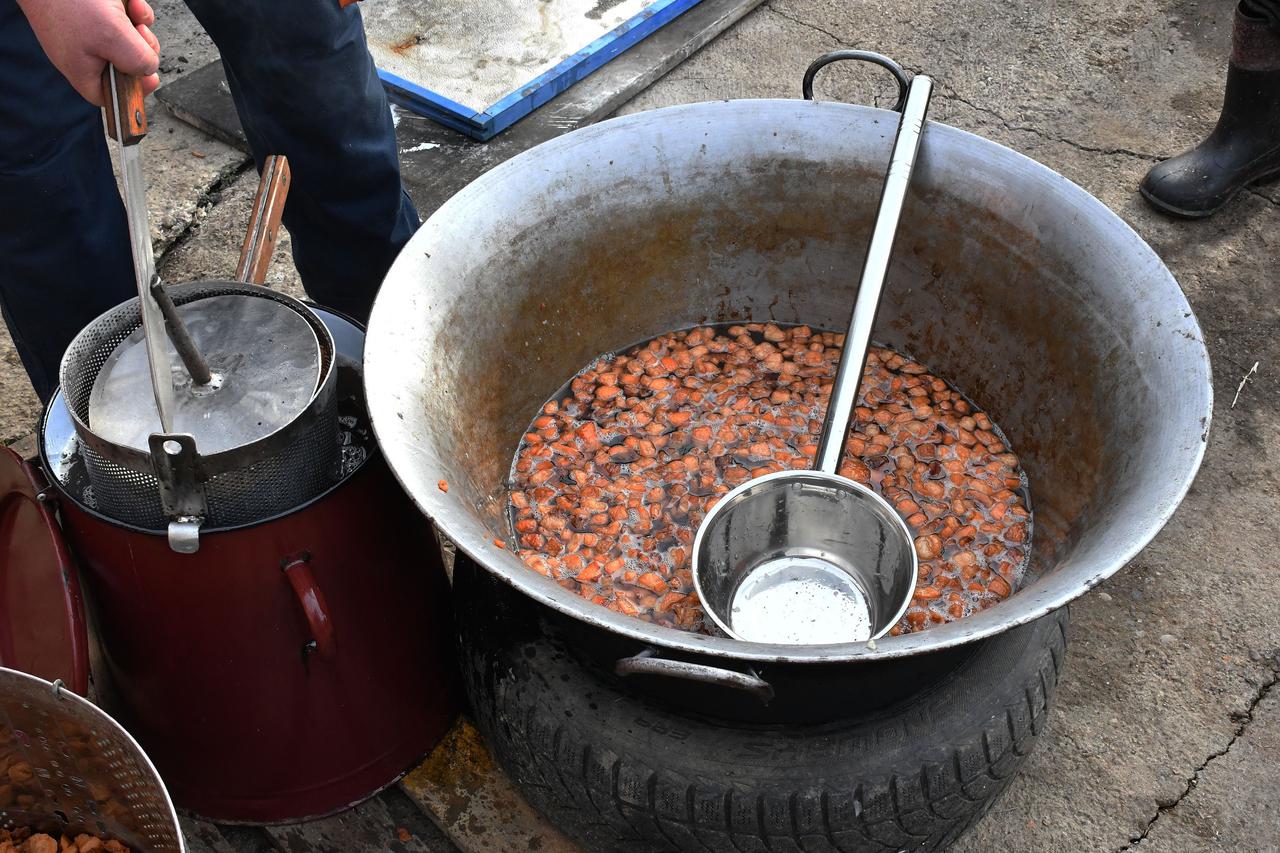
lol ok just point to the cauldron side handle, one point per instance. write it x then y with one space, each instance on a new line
806 85
648 663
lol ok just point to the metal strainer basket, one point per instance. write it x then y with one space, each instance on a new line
173 486
69 769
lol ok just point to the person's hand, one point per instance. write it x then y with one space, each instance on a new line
81 36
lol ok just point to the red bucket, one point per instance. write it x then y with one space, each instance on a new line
289 668
285 670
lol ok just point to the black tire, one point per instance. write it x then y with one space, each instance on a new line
618 772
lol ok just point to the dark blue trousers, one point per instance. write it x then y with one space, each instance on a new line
304 85
1269 9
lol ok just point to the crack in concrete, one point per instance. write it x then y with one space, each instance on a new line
1263 196
206 200
948 92
1244 720
817 29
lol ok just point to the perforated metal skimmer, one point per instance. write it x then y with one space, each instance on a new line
172 484
72 769
261 364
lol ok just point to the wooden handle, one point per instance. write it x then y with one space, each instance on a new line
132 115
268 207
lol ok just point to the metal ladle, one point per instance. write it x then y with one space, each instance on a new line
810 557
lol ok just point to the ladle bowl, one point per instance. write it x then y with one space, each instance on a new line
804 557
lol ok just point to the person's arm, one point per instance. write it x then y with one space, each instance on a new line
81 36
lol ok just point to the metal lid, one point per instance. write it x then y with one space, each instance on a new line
42 622
266 362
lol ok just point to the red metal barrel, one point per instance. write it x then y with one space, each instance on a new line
285 670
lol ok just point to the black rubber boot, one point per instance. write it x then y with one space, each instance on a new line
1244 148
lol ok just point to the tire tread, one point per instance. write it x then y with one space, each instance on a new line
614 798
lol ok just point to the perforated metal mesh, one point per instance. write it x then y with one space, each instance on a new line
122 493
281 481
73 769
243 485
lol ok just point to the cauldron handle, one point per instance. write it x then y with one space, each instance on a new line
806 86
298 570
648 663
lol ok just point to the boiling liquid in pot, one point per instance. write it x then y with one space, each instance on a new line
611 480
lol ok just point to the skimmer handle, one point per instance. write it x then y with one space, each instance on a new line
127 125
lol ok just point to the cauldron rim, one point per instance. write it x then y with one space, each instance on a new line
1066 583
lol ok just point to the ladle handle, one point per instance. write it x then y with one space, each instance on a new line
844 393
268 207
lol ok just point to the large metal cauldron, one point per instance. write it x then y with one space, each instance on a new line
1027 292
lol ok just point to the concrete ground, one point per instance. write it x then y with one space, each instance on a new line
1166 733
